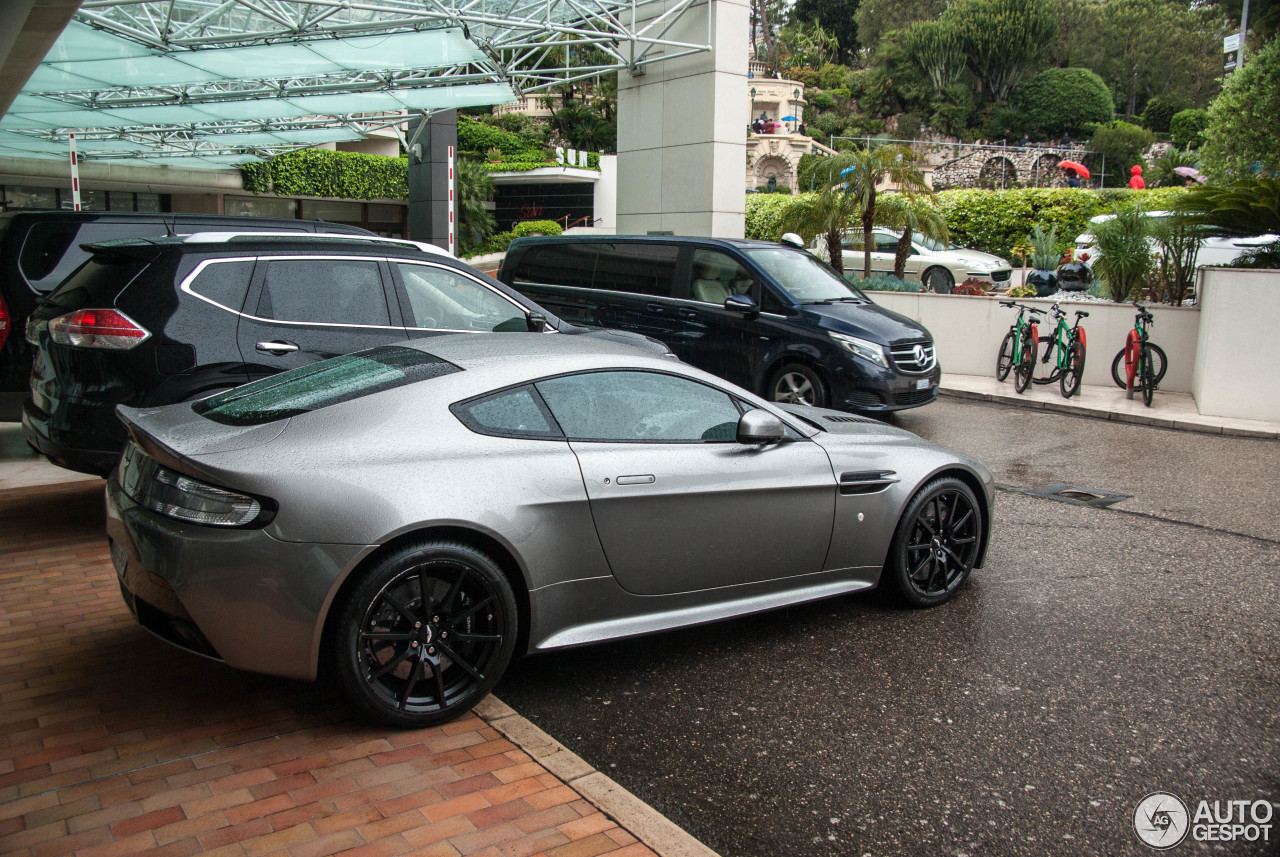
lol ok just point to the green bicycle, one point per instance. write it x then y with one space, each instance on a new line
1144 361
1018 348
1063 353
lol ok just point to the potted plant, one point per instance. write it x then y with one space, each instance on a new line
1044 260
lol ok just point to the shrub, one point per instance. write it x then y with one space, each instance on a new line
971 286
996 221
1125 256
823 101
536 227
1059 100
881 283
318 172
764 215
1243 134
1187 128
477 138
832 76
1122 144
1159 113
1044 245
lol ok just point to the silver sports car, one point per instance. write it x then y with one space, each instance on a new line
417 514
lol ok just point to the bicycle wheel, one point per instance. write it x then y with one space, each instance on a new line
1147 374
1004 360
1158 366
1025 366
1046 370
1070 379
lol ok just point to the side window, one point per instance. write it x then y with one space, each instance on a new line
639 406
646 269
224 283
716 276
324 291
446 300
851 240
567 264
886 243
514 413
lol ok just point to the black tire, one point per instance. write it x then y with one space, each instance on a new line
936 543
1024 366
1147 373
938 279
1159 364
1070 379
1004 360
797 384
425 634
1046 370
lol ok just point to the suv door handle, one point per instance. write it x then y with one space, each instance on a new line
277 347
686 312
655 307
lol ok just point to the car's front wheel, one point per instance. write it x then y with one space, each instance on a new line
936 543
797 384
425 633
939 281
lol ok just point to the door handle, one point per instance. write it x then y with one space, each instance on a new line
277 347
645 479
685 312
655 307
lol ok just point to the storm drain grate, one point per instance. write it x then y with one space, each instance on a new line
1065 492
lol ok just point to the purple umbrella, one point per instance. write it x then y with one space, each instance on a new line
1189 172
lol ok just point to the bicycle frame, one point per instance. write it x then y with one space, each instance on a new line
1133 352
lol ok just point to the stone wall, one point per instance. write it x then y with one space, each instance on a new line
969 166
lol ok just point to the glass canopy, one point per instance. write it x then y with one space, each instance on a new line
222 81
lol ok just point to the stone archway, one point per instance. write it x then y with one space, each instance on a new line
1045 172
998 173
776 168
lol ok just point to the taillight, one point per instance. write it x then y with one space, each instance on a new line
97 328
5 321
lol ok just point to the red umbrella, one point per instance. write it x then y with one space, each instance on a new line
1081 169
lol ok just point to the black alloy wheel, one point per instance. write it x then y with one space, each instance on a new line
797 384
936 543
1025 365
426 634
1074 372
1004 360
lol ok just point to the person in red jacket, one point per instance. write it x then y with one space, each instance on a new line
1135 180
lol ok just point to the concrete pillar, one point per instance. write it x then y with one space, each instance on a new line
682 130
429 178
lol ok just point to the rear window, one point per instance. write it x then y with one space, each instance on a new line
96 284
329 382
52 248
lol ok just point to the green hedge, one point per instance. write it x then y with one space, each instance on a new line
1065 99
477 138
501 241
764 211
319 172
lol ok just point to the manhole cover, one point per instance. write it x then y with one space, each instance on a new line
1077 495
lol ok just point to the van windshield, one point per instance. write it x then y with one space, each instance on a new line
806 278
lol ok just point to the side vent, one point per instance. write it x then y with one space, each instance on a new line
866 481
845 419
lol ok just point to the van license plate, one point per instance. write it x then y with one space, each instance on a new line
922 384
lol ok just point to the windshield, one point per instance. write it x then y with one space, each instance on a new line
805 277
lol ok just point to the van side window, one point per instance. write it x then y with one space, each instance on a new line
567 264
716 276
645 269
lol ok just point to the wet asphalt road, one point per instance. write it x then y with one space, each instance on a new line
1101 655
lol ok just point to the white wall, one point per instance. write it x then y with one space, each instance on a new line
606 196
967 332
1237 356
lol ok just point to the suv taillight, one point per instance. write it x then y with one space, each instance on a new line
97 328
5 322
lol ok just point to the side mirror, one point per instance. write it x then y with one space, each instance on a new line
793 240
760 426
536 321
744 304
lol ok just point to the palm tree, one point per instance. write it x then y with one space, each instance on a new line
862 171
475 188
828 212
1247 207
910 215
1161 170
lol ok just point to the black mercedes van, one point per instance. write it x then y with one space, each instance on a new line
769 317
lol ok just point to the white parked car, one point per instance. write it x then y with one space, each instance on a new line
1213 251
934 264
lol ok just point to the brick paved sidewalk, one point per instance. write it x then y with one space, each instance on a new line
114 743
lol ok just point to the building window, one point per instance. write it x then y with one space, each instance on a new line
261 206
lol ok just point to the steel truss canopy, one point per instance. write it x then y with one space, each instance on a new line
219 82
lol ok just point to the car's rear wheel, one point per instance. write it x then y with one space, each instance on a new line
797 384
936 543
426 632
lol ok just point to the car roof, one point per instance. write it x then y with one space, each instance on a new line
532 355
273 241
647 239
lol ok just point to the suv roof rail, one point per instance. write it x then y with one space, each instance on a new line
230 237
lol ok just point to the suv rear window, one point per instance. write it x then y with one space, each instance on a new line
97 283
51 250
329 382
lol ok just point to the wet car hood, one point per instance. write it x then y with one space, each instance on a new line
969 257
865 321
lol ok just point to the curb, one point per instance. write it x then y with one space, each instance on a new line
1113 416
663 836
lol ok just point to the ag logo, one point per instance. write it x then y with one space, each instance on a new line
1161 820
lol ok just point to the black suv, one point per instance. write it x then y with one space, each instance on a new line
768 317
155 321
40 249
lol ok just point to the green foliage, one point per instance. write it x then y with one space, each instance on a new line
995 221
475 188
1004 39
1161 172
1243 137
1123 145
833 76
822 101
881 283
1059 100
764 215
1159 113
1247 207
782 189
476 138
951 109
501 241
839 16
536 227
939 50
1125 254
319 172
876 18
1005 123
1044 247
1188 127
